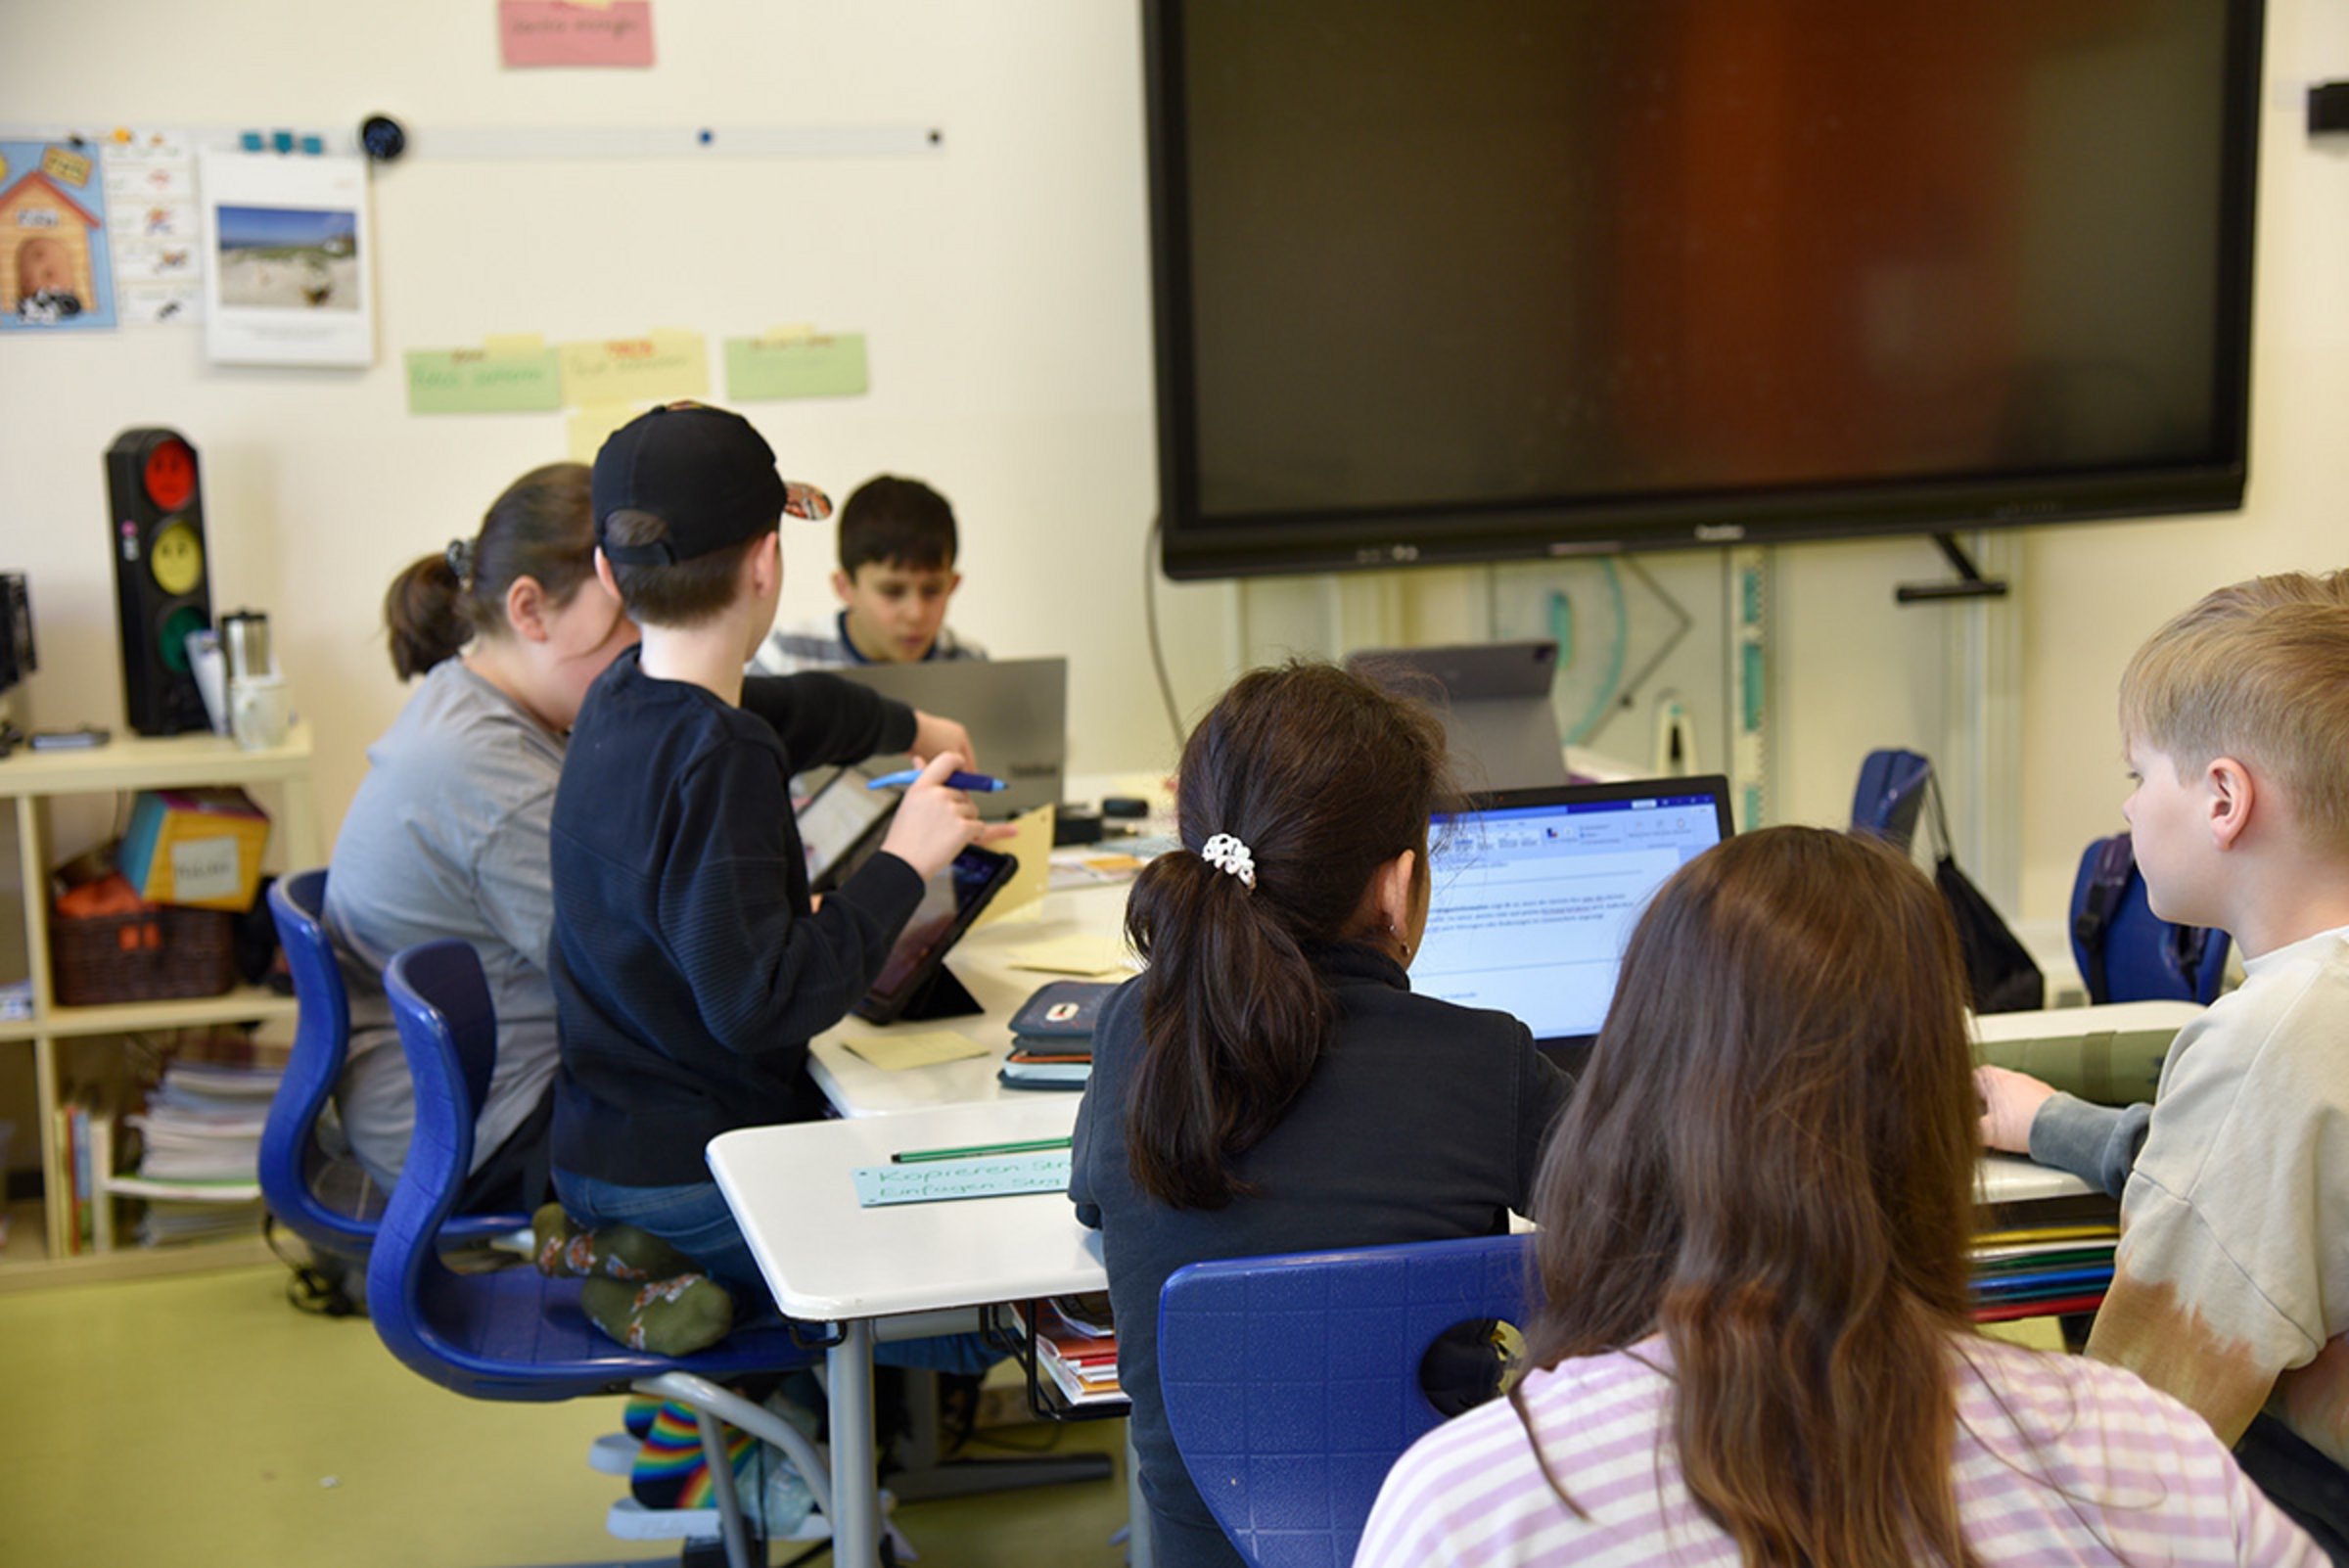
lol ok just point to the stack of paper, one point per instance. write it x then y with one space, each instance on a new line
2042 1271
201 1140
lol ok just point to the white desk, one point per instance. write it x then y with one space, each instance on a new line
982 963
829 1261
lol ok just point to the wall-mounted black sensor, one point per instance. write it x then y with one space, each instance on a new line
382 138
2329 107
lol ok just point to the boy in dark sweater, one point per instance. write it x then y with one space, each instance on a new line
689 968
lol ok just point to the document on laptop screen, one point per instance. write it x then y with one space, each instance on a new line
1530 906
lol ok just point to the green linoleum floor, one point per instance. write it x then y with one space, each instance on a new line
201 1421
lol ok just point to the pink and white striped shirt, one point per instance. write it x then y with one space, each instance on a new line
2059 1460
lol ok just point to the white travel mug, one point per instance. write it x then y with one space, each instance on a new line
259 711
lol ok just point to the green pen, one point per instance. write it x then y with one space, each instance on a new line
977 1151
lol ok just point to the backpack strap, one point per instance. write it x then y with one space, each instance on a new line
2107 885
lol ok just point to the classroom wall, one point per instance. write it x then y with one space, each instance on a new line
1004 283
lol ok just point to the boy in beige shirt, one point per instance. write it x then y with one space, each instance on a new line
2230 1288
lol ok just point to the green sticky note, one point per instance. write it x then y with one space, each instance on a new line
472 381
765 368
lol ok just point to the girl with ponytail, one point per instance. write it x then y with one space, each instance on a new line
1270 1083
447 834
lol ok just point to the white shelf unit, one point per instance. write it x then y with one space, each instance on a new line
31 779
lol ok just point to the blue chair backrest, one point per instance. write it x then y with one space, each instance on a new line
321 1046
1292 1383
1890 794
449 1027
2126 952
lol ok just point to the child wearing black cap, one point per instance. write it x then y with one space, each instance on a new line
689 966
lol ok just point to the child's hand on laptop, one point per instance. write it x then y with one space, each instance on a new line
933 734
936 823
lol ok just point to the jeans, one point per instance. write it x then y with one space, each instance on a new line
696 1220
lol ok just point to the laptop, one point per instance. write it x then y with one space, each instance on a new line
1534 894
1494 701
1015 709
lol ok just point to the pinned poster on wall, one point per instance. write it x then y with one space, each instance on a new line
288 244
594 33
158 230
55 271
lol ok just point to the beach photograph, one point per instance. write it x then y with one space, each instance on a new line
292 259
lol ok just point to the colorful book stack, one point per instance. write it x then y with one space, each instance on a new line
1077 1347
2042 1271
1052 1036
201 1141
80 1216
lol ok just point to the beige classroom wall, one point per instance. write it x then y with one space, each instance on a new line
1005 286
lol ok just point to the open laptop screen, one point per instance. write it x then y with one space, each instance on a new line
1534 894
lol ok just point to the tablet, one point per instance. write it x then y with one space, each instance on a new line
915 968
842 818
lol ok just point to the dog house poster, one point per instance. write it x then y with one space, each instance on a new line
55 274
288 262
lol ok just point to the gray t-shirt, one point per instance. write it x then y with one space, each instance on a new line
448 837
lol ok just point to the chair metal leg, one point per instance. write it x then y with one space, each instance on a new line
1138 1510
729 1500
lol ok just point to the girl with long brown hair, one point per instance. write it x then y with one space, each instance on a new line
1271 1084
1754 1343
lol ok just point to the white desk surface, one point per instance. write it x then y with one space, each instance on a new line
982 963
827 1259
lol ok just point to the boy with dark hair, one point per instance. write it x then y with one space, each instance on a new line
2230 1287
689 967
896 572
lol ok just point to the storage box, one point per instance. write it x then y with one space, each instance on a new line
144 956
197 848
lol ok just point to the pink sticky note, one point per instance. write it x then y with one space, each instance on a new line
549 32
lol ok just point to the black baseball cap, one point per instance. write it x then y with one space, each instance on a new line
705 472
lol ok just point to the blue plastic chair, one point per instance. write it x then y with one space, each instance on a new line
1891 793
2126 952
292 1162
515 1334
1292 1383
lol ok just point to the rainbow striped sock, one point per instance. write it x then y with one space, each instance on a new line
669 1470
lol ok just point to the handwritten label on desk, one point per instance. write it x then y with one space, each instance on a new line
1000 1175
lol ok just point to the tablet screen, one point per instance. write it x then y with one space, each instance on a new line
840 817
950 904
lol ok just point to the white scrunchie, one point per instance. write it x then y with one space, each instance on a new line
1230 856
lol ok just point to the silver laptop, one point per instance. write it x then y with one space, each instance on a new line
1494 701
1533 893
1017 711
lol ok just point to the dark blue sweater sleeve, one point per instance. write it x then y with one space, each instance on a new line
764 977
824 720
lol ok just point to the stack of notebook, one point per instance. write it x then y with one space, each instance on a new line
1077 1347
1052 1036
2042 1271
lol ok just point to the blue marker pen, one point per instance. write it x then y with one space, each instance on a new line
978 782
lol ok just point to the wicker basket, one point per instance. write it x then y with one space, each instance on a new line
150 955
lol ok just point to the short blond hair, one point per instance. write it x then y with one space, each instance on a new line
2259 672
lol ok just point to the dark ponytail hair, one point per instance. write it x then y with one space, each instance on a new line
543 527
1325 777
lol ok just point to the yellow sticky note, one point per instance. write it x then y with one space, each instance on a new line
662 366
1072 955
894 1053
1032 844
588 427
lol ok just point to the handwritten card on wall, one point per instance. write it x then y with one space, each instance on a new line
661 367
804 365
483 381
551 32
